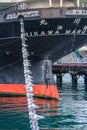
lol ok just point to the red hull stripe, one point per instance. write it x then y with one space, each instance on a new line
38 89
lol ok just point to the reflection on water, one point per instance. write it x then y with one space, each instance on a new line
47 107
14 115
70 113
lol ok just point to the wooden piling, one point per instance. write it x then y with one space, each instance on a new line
74 78
59 79
85 78
74 69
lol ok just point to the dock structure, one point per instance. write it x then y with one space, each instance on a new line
75 70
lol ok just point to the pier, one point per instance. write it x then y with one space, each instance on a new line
75 70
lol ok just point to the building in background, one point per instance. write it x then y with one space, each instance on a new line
78 56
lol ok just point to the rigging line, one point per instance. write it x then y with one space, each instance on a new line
11 64
3 44
14 4
11 5
74 35
49 55
11 52
9 38
77 24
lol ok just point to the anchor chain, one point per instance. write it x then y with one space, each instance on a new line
33 117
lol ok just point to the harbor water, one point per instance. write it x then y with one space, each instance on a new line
70 113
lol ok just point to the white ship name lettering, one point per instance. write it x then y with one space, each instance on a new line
59 27
77 21
43 22
58 32
50 32
67 31
84 30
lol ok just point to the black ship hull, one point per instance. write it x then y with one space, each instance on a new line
47 38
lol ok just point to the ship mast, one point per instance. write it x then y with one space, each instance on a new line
78 3
61 3
50 3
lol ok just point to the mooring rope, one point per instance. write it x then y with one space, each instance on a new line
28 83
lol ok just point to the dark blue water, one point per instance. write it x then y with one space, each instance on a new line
70 113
